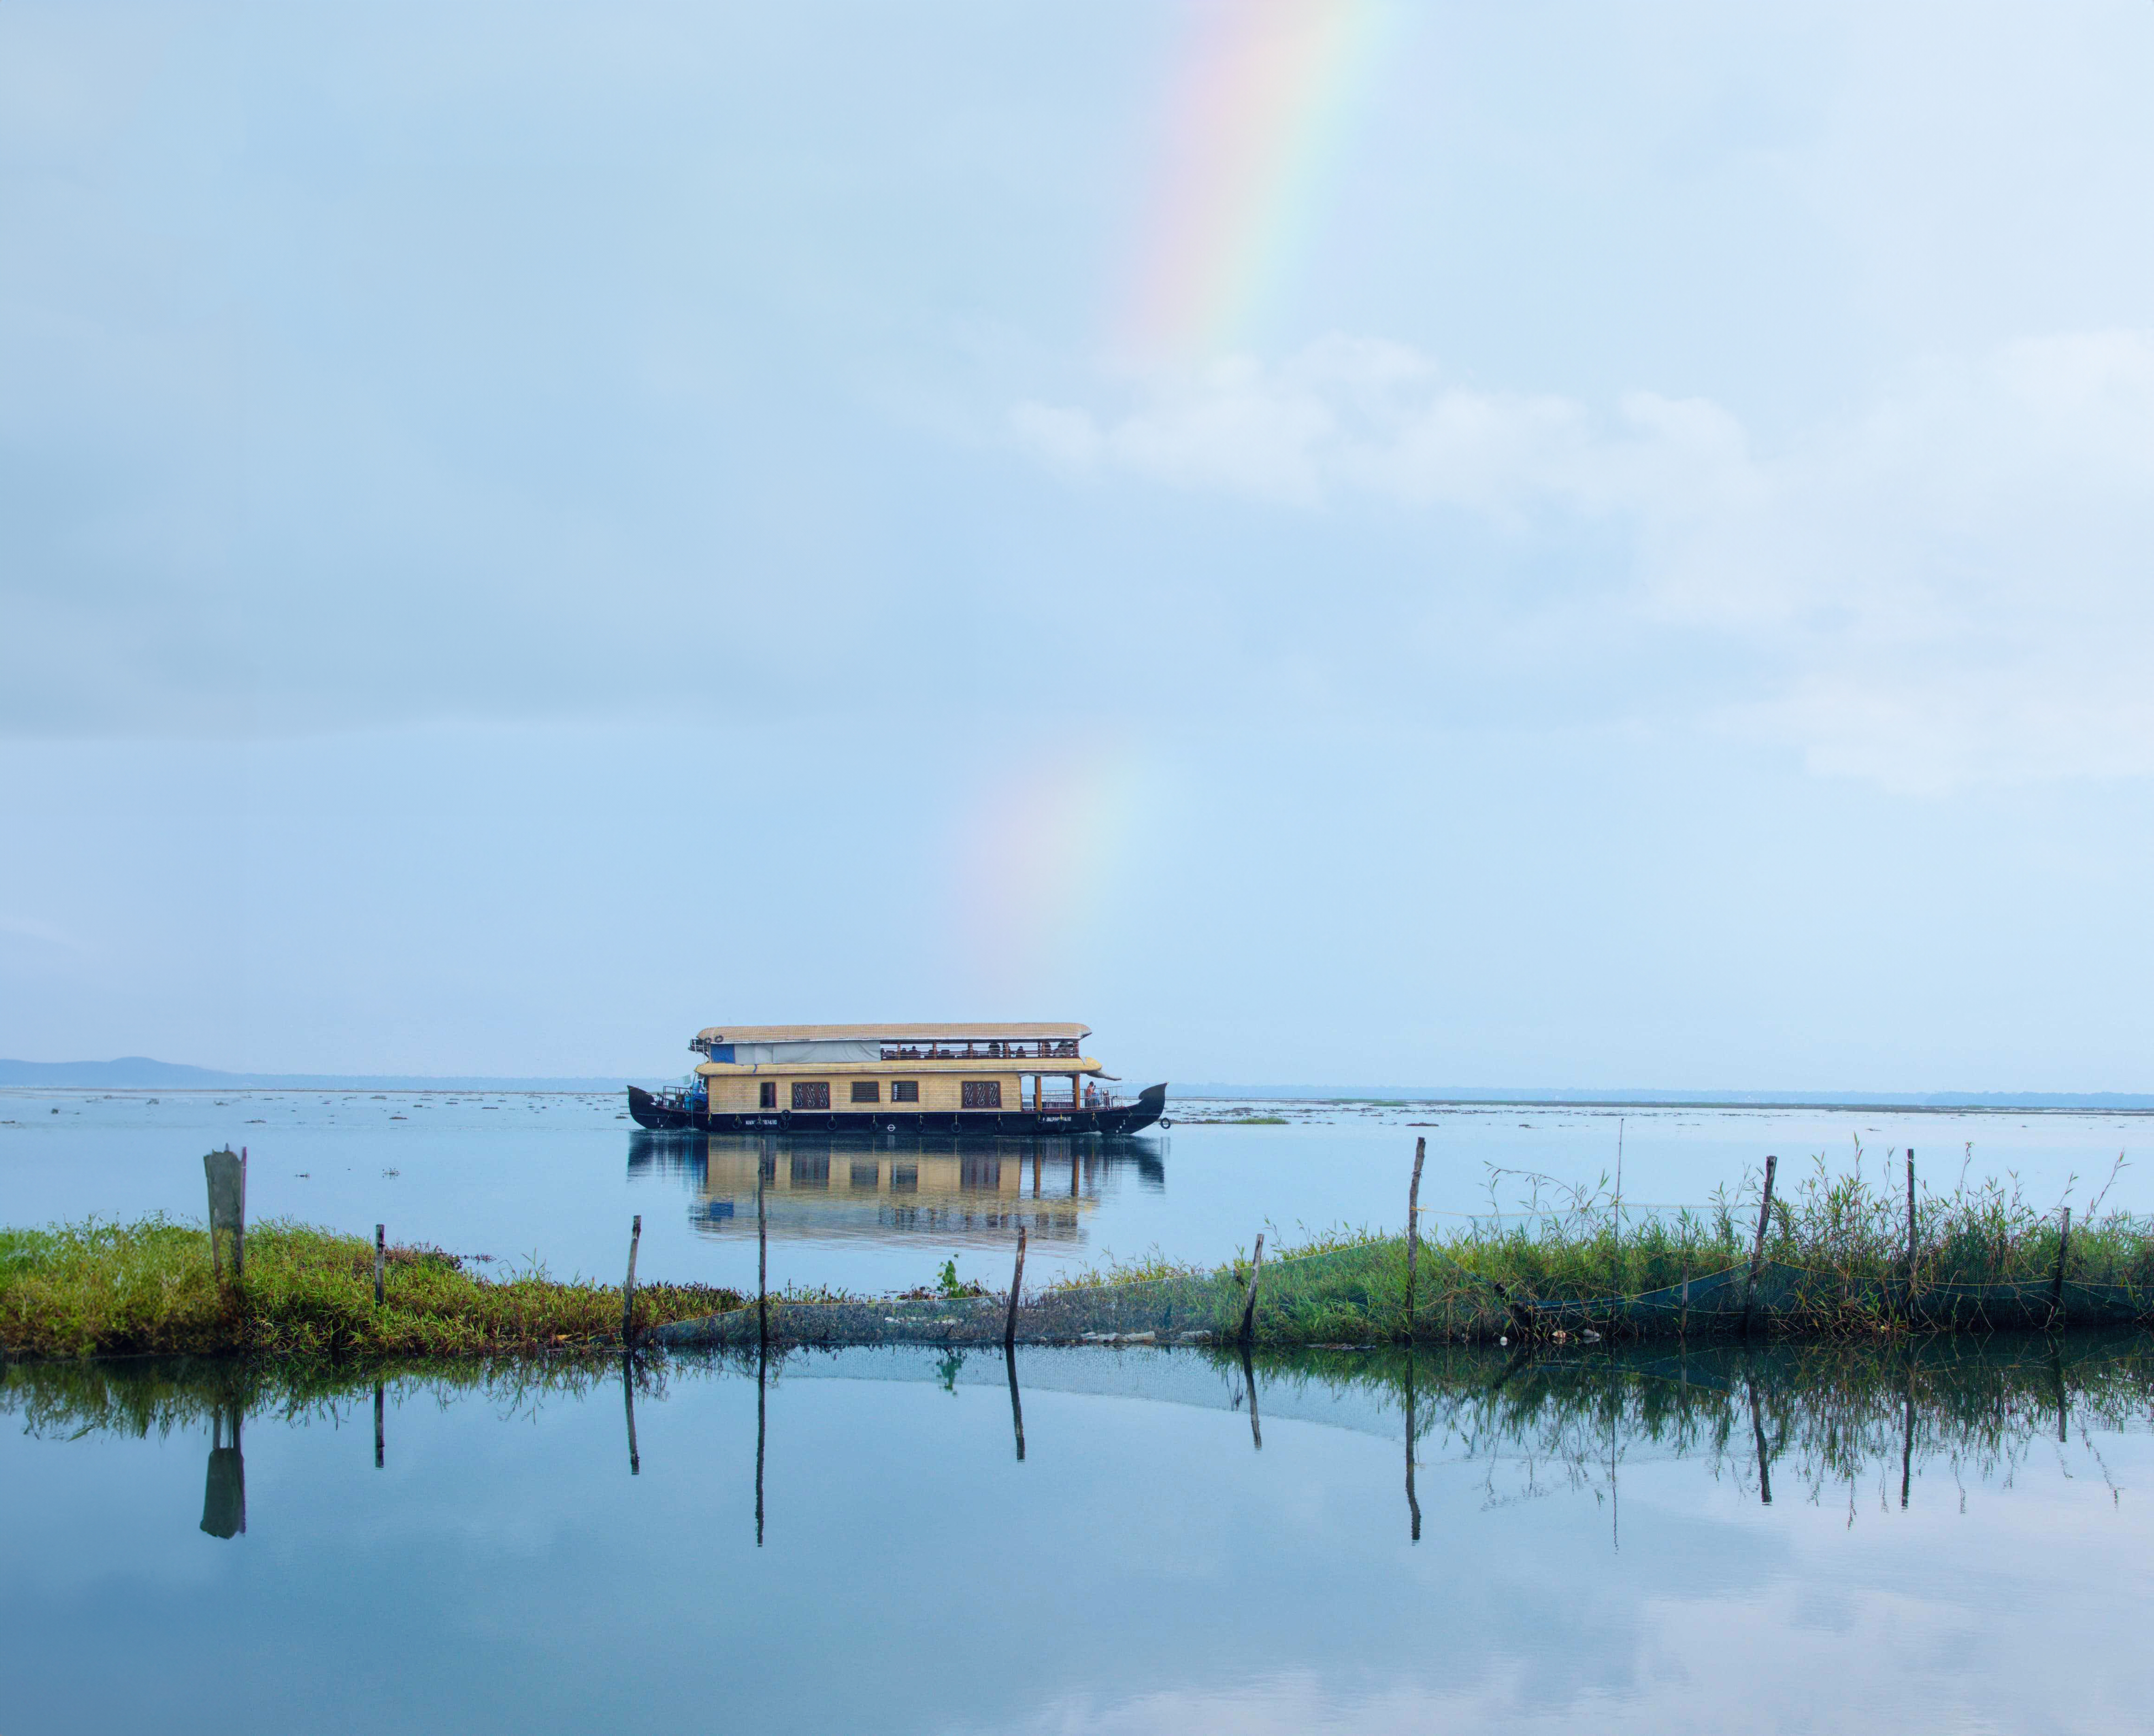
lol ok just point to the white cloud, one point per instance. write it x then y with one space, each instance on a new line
1953 585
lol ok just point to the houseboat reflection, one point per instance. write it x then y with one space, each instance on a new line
831 1186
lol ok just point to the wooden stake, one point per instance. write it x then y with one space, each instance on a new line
380 1261
239 1229
1413 1228
1911 1223
1250 1307
628 1289
2057 1284
1016 1289
1758 1246
761 1330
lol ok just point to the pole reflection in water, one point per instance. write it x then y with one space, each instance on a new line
1017 1411
378 1458
628 1404
224 1490
761 1400
1413 1505
1249 1386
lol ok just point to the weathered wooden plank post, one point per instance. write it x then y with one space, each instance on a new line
380 1261
2057 1283
1758 1246
628 1289
1413 1228
1249 1307
1017 1289
226 1175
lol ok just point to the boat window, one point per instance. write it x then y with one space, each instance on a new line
983 1094
866 1090
811 1094
770 1098
905 1091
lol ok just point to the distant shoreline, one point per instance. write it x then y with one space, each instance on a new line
142 1073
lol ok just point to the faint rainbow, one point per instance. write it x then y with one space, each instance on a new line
1253 120
1040 853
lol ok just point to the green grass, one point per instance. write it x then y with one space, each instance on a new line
99 1289
1836 1253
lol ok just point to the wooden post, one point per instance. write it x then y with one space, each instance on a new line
380 1262
762 1329
1016 1289
239 1228
1758 1246
1250 1307
1911 1224
2057 1284
1413 1230
377 1425
628 1288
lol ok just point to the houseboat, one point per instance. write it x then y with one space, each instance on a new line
899 1079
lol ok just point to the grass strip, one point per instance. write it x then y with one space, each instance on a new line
104 1288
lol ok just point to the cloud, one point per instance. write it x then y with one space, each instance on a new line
1950 586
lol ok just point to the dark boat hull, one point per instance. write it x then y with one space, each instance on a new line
661 1114
1115 1119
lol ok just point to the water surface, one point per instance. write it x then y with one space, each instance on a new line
554 1178
1957 1538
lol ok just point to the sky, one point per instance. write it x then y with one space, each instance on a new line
1333 542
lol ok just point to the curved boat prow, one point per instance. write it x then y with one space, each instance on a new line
1150 1106
655 1112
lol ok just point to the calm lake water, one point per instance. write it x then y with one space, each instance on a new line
1957 1540
554 1178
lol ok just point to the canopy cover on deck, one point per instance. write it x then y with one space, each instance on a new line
891 1034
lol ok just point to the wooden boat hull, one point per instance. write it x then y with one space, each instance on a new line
648 1110
1115 1119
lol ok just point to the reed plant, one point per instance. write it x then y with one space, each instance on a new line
1552 1259
104 1288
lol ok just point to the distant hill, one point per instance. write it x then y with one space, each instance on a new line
138 1072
